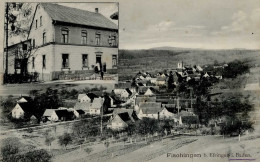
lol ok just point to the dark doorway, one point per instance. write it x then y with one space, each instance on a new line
98 60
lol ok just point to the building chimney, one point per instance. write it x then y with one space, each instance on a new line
96 10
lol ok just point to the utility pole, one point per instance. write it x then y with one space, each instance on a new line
101 121
178 104
6 38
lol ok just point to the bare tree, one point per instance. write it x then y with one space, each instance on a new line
17 18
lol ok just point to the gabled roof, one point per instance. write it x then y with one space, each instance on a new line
172 110
26 106
140 99
48 112
92 95
64 113
161 78
80 112
150 107
97 103
128 91
80 96
82 106
24 99
77 16
125 117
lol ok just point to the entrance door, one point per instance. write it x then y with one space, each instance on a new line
98 60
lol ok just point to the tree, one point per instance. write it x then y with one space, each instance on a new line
49 99
147 126
170 81
17 18
65 139
35 155
7 105
10 148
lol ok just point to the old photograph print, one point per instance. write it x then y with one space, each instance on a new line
170 80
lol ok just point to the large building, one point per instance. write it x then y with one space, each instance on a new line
69 41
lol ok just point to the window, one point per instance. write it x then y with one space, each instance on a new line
83 37
114 60
65 60
43 61
36 24
17 63
44 38
33 60
112 40
97 38
41 21
64 36
85 60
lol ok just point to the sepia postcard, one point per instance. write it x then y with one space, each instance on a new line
130 80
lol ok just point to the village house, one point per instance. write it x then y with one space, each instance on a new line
141 98
120 121
169 113
22 110
84 98
24 99
149 110
160 80
67 43
61 115
96 106
48 114
84 106
150 92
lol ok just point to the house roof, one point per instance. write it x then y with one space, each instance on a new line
77 16
80 112
172 110
125 117
122 110
26 106
140 99
92 95
48 112
80 96
150 107
161 78
128 91
24 99
64 113
82 106
97 103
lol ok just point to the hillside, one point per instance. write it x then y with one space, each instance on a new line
131 61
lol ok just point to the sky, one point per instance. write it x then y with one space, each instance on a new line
208 24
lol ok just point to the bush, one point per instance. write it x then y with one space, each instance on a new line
88 150
35 155
9 149
65 139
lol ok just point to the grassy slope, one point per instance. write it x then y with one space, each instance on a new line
131 61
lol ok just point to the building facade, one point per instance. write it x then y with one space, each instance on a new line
67 40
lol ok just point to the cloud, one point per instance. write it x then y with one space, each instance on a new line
162 26
242 23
